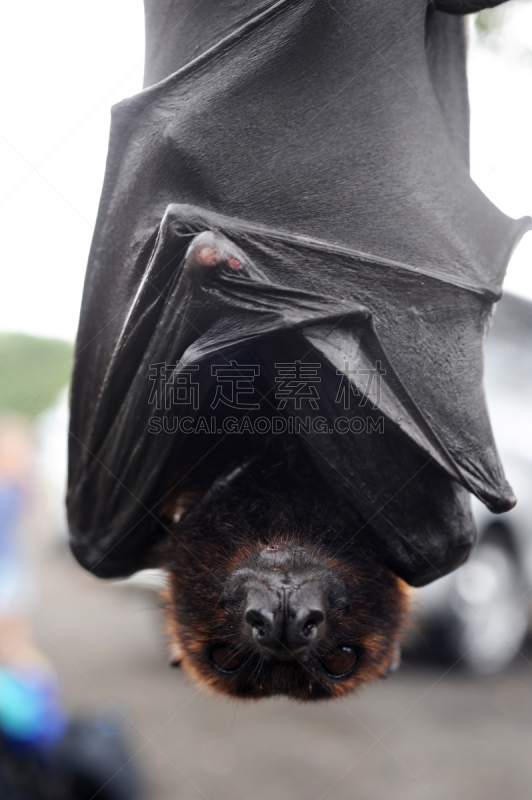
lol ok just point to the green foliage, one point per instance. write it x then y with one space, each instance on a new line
32 371
486 21
492 20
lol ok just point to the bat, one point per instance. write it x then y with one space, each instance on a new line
277 393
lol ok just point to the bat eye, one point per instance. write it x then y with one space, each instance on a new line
225 659
340 663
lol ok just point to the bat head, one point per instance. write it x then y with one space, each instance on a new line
265 598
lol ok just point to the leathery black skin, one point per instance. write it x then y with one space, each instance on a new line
274 591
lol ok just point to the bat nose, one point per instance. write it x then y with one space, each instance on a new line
266 627
304 625
285 624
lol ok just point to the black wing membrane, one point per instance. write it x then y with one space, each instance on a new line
326 143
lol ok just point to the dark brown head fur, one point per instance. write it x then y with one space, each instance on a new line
270 539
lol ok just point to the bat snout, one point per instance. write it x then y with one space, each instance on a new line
284 622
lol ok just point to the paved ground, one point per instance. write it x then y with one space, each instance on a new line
417 736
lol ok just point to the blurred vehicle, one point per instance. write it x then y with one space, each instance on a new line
481 614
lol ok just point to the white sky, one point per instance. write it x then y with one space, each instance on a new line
64 64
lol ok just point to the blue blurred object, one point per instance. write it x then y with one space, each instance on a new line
11 567
31 714
11 504
45 757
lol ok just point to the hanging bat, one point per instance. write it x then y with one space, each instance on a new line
288 203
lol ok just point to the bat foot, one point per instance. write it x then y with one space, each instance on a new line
209 250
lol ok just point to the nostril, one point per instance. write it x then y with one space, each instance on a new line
312 622
307 626
254 617
258 622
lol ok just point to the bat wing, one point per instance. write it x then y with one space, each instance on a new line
326 146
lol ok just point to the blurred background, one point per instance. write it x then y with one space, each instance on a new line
83 670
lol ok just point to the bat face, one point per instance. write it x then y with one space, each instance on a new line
257 610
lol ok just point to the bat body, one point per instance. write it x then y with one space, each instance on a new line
288 203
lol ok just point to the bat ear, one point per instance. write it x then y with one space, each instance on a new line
176 655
